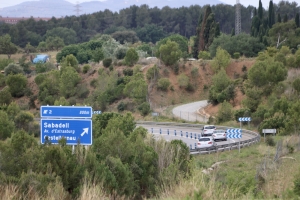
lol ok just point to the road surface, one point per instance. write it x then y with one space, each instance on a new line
189 112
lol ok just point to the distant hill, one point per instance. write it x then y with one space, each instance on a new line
61 8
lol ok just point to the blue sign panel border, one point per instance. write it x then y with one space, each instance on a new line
66 112
64 121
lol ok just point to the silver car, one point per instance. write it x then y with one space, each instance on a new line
219 135
206 142
208 130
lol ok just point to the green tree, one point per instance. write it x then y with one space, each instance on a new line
136 88
297 20
42 47
68 80
221 60
12 110
271 13
69 60
98 55
29 48
23 119
125 36
61 102
17 84
225 112
6 46
5 96
6 126
131 57
204 55
54 43
67 35
170 53
144 108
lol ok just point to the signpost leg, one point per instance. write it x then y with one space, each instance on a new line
73 149
239 145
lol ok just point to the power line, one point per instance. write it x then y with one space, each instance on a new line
77 9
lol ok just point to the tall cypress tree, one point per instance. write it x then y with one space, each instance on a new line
279 18
260 10
271 15
297 20
196 41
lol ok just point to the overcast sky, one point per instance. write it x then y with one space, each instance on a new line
6 3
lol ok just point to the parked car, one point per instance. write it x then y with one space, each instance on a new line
208 130
219 135
206 142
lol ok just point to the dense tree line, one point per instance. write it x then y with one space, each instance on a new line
149 24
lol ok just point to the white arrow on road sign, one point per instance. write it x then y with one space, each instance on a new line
85 131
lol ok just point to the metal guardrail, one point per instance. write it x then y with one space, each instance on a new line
218 148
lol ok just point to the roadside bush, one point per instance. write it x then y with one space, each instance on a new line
16 83
107 62
86 68
163 84
270 141
236 55
144 108
13 69
204 55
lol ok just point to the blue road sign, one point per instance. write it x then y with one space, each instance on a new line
66 111
73 130
234 135
237 130
245 119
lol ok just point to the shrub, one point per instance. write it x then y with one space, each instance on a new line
93 83
2 80
190 87
195 72
120 53
270 141
13 69
121 107
44 67
236 55
176 68
144 108
86 68
183 80
82 91
128 72
163 84
166 72
111 68
204 55
107 62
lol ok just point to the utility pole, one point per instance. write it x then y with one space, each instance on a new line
77 9
238 23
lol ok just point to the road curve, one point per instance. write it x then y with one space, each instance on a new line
189 112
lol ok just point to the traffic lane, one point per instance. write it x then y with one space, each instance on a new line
193 130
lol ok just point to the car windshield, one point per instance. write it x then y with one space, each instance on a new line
204 139
209 127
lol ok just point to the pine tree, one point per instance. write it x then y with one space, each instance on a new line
196 41
260 10
285 18
271 14
297 20
279 18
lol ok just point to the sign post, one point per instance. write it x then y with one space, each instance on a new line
244 119
273 131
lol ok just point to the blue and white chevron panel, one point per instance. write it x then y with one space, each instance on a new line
234 133
245 119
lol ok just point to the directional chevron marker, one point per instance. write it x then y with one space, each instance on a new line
245 119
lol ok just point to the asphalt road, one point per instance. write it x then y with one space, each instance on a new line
184 134
188 112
